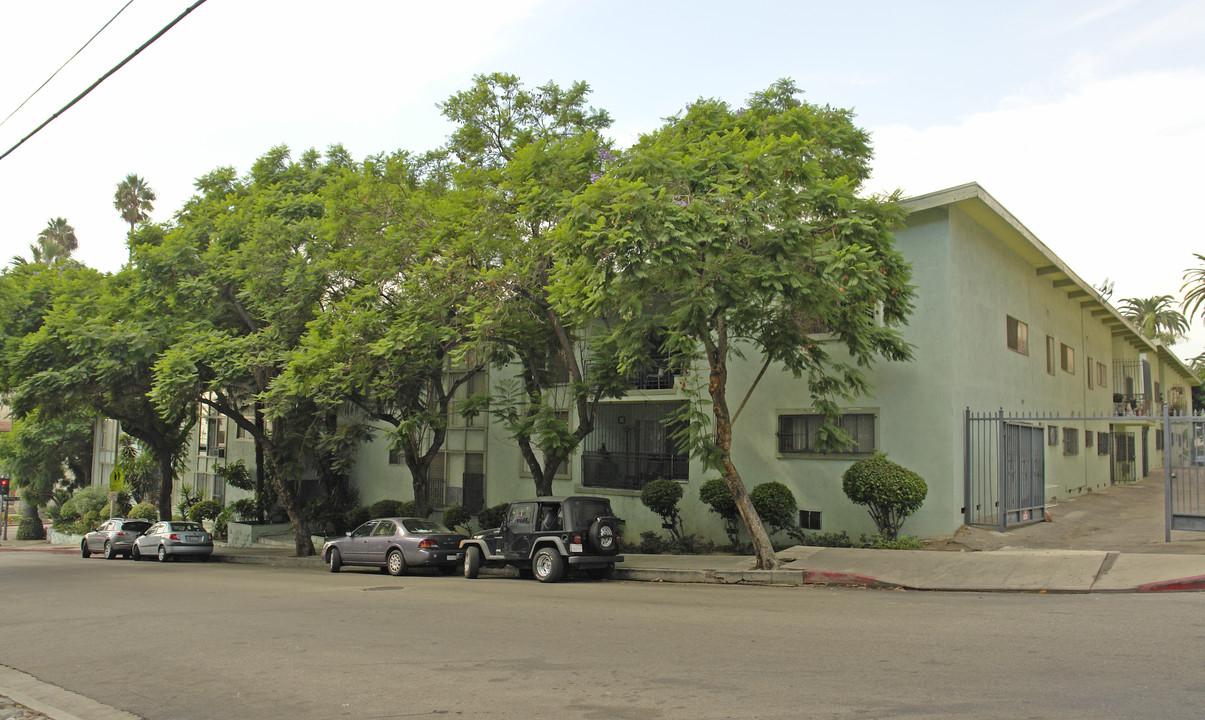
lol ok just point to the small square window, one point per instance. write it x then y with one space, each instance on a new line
395 457
1102 443
809 519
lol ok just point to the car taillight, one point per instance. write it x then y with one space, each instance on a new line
577 539
427 544
173 536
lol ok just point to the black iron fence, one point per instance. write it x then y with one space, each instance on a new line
631 471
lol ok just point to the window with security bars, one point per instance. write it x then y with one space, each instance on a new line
1102 443
1070 441
801 433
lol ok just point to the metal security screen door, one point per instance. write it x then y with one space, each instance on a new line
1024 473
1005 471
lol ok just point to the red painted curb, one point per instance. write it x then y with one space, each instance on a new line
1191 584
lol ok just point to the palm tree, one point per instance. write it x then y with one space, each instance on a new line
56 241
1156 318
133 200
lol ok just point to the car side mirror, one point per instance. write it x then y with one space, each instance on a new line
347 534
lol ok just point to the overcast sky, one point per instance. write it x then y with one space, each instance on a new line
1085 119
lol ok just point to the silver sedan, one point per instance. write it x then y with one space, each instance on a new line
396 544
173 539
113 537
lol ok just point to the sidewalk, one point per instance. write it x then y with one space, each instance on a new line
1107 541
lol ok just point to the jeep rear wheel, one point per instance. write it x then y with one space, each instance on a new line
603 537
472 562
547 565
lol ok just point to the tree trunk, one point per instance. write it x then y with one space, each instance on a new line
763 549
301 529
166 482
260 432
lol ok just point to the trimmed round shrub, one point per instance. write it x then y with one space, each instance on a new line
205 510
357 517
891 492
89 500
457 516
492 517
662 496
776 505
144 511
391 508
715 494
31 529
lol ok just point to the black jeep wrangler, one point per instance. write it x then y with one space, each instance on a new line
546 535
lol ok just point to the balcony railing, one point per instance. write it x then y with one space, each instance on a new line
631 471
1131 404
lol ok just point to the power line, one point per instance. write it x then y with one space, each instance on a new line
104 77
56 72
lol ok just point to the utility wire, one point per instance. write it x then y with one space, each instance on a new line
104 77
56 72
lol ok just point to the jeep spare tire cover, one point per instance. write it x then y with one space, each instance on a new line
604 536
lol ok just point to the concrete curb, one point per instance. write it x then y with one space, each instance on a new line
54 701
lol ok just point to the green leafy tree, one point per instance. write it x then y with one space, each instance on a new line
523 153
243 270
741 232
134 199
44 452
395 343
73 339
1156 317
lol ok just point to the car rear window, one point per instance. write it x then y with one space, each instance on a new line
187 526
587 510
424 527
136 526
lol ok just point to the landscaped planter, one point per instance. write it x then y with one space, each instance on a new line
57 537
245 534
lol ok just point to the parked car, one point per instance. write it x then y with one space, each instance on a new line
173 539
395 545
113 537
549 536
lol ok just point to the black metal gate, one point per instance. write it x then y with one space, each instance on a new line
1124 470
1184 472
1005 461
1005 471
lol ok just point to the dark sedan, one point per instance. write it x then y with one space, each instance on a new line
395 545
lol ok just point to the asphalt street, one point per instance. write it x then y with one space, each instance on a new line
204 640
